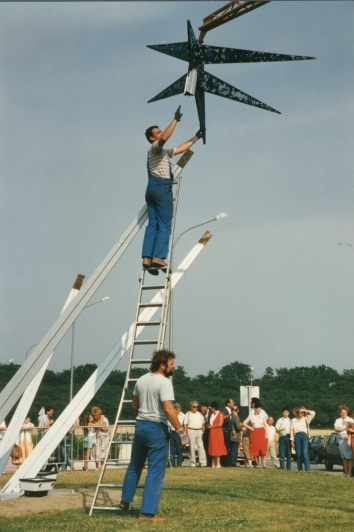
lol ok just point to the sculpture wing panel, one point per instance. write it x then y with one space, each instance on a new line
176 88
178 49
213 55
213 85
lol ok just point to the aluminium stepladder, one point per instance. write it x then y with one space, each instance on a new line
121 438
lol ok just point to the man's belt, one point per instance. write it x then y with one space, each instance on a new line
190 428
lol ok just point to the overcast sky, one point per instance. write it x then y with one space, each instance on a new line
273 287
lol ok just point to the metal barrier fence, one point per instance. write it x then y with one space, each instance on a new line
77 451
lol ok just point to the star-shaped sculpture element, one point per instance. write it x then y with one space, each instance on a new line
197 81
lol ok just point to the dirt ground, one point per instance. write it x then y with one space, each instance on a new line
56 500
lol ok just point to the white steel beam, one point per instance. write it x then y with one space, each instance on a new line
22 378
27 398
65 421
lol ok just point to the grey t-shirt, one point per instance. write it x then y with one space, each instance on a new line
152 389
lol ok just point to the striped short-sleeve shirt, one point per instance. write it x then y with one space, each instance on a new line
159 161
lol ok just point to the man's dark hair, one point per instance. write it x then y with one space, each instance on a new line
214 404
257 405
204 404
160 357
227 401
148 133
47 408
285 408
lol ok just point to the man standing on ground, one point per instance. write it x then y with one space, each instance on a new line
205 410
227 411
175 440
236 428
159 196
271 443
152 406
282 427
194 426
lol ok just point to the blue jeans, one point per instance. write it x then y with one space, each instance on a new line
284 452
302 450
175 449
65 451
159 199
234 452
151 442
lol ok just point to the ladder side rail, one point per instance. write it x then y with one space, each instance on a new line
62 425
19 382
28 396
164 313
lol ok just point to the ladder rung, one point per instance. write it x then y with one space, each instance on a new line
116 508
144 342
125 421
150 304
142 360
132 380
147 323
153 287
117 485
121 442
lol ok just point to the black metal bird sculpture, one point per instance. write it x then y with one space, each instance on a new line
197 81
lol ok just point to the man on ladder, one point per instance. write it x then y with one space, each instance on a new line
158 196
152 405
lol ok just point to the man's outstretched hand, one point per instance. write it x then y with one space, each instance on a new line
199 133
178 114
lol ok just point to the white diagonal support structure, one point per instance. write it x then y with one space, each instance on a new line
27 398
65 421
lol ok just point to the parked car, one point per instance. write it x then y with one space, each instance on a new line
332 452
317 447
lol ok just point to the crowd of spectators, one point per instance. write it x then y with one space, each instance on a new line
218 432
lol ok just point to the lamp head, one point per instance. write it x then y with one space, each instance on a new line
221 215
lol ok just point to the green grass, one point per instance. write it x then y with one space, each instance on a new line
213 500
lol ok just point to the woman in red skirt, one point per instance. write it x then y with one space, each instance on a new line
216 447
257 424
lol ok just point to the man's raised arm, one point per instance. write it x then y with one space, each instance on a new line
170 129
186 145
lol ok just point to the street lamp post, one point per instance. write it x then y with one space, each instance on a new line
218 217
71 448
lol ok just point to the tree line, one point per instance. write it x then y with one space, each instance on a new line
318 388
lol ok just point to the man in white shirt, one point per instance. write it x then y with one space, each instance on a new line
45 422
152 407
271 442
194 425
282 427
175 440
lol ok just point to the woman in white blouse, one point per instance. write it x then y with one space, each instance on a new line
340 426
257 424
299 435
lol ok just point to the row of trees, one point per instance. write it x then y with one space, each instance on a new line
319 388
